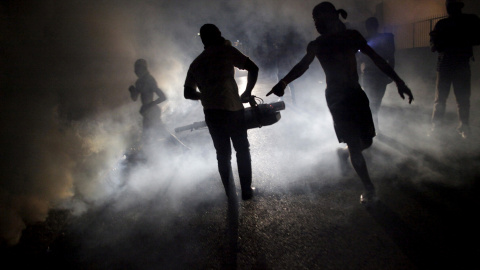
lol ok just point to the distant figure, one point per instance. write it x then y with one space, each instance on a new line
453 38
335 49
213 73
146 86
374 80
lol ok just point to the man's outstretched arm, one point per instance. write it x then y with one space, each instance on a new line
296 72
388 70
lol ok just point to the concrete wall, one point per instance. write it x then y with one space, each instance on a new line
396 12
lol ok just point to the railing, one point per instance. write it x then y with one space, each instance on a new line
414 35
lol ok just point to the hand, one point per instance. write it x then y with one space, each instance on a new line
245 97
404 90
278 89
133 92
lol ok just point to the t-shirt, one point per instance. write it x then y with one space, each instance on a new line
453 38
213 73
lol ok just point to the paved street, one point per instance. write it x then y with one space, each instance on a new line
306 215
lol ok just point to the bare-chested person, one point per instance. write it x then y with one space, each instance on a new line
146 87
335 48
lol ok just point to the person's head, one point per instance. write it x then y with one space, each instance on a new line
140 67
326 17
211 35
371 24
454 7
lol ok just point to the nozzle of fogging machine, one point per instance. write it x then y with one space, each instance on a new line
277 106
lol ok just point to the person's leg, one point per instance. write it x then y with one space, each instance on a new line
148 137
441 94
224 155
242 147
216 123
355 147
375 88
343 155
244 165
147 130
462 91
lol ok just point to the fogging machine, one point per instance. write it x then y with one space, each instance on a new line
256 116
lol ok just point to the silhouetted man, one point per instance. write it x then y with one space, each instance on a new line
374 80
146 87
453 38
213 73
335 49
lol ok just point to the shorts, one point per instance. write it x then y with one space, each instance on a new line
351 114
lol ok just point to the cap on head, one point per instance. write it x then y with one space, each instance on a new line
209 33
456 3
454 7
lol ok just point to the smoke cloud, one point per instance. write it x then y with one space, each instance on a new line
68 121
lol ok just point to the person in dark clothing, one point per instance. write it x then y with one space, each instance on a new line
335 49
453 38
213 73
374 80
